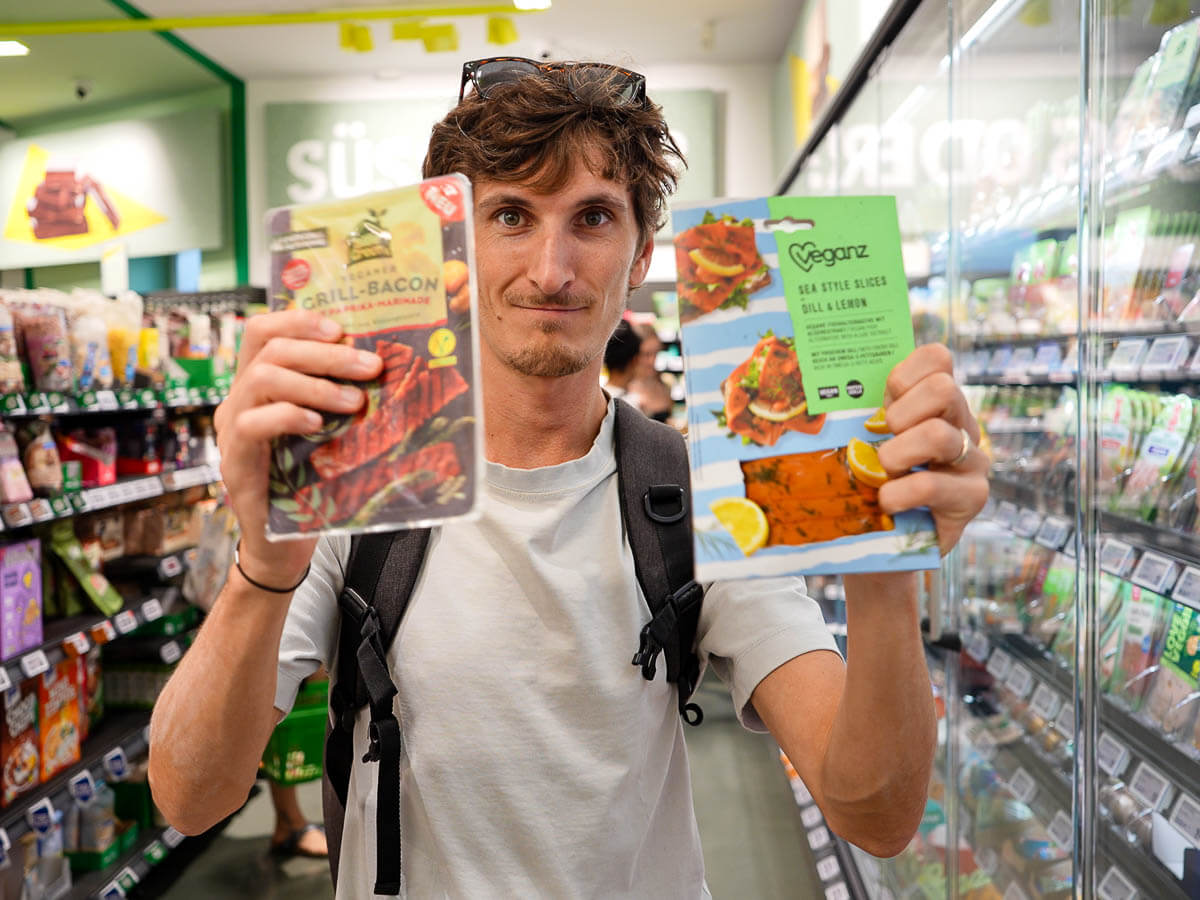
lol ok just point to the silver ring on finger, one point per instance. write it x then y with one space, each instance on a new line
967 446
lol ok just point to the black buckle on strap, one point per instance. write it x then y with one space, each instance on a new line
665 503
663 627
384 735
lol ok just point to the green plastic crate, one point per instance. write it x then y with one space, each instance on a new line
296 748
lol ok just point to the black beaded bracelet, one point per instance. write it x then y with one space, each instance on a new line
258 584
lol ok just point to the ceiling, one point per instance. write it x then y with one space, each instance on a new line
121 68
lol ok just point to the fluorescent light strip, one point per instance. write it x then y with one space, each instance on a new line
531 4
13 48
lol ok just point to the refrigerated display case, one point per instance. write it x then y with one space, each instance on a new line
1045 157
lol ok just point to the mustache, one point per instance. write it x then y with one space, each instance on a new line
567 300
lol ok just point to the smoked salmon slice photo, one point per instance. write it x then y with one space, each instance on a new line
719 266
764 396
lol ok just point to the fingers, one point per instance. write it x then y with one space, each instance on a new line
272 420
267 383
292 323
922 362
332 360
936 395
956 495
933 441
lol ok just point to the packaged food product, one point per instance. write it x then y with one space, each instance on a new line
1178 669
14 485
89 352
67 549
39 452
19 744
12 380
95 451
1132 110
1116 434
1160 457
1169 83
58 717
20 597
139 448
107 530
376 264
42 333
124 319
92 691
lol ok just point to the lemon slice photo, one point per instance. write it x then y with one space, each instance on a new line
864 463
777 415
714 266
745 520
877 424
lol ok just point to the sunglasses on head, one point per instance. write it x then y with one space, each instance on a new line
587 81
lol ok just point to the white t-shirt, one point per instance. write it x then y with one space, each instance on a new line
538 762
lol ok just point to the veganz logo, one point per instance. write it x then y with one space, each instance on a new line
808 254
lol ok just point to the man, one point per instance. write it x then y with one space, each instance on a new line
538 762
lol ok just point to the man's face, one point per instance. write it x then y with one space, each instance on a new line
554 271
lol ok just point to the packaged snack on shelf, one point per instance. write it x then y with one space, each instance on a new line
45 343
14 485
150 355
58 717
89 341
1161 455
12 379
380 266
20 597
206 575
139 448
1058 594
95 451
91 690
177 448
1117 431
107 530
1143 617
67 549
1133 109
123 317
793 316
1170 703
39 453
1170 83
91 840
19 744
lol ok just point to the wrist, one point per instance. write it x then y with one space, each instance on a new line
270 578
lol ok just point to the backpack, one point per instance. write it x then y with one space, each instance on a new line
652 478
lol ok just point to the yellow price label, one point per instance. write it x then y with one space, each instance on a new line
442 342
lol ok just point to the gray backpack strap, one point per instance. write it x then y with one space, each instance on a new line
654 486
369 621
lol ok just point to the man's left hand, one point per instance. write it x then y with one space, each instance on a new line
928 416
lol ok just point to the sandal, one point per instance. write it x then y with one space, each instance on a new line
290 846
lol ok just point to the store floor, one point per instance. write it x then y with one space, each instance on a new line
754 845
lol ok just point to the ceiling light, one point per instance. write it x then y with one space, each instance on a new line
501 30
13 48
531 4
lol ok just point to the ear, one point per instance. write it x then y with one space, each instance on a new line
641 264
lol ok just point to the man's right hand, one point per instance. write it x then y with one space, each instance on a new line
282 382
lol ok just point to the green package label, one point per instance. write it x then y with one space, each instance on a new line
846 292
1181 646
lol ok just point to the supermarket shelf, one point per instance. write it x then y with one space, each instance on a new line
836 867
74 636
155 568
130 869
44 403
125 731
35 512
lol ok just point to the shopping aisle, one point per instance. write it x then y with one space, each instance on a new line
754 846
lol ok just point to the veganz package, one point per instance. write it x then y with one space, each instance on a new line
395 270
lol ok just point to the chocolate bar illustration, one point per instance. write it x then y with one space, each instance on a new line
92 186
57 206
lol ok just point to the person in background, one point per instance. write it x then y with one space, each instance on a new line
629 358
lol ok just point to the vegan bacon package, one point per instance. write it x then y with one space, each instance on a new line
793 310
395 270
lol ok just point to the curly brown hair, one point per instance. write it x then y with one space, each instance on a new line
534 131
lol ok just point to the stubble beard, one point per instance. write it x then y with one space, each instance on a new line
549 358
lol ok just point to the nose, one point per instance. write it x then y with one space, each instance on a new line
552 266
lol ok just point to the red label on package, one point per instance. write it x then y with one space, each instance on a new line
445 199
295 274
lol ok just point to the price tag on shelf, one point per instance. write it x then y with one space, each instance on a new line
34 663
1019 681
977 646
37 403
1155 572
152 610
811 817
801 792
128 879
829 868
116 764
5 846
1167 354
170 566
107 400
13 404
186 478
1128 356
1047 360
17 515
837 891
1149 786
1014 892
1006 515
170 652
5 679
77 644
1022 785
1115 886
1053 532
819 837
40 816
1111 755
125 621
998 363
40 510
172 838
1019 363
83 788
999 664
1062 831
1116 557
1187 588
103 632
1028 523
1046 702
1064 722
112 891
155 853
1186 818
61 506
